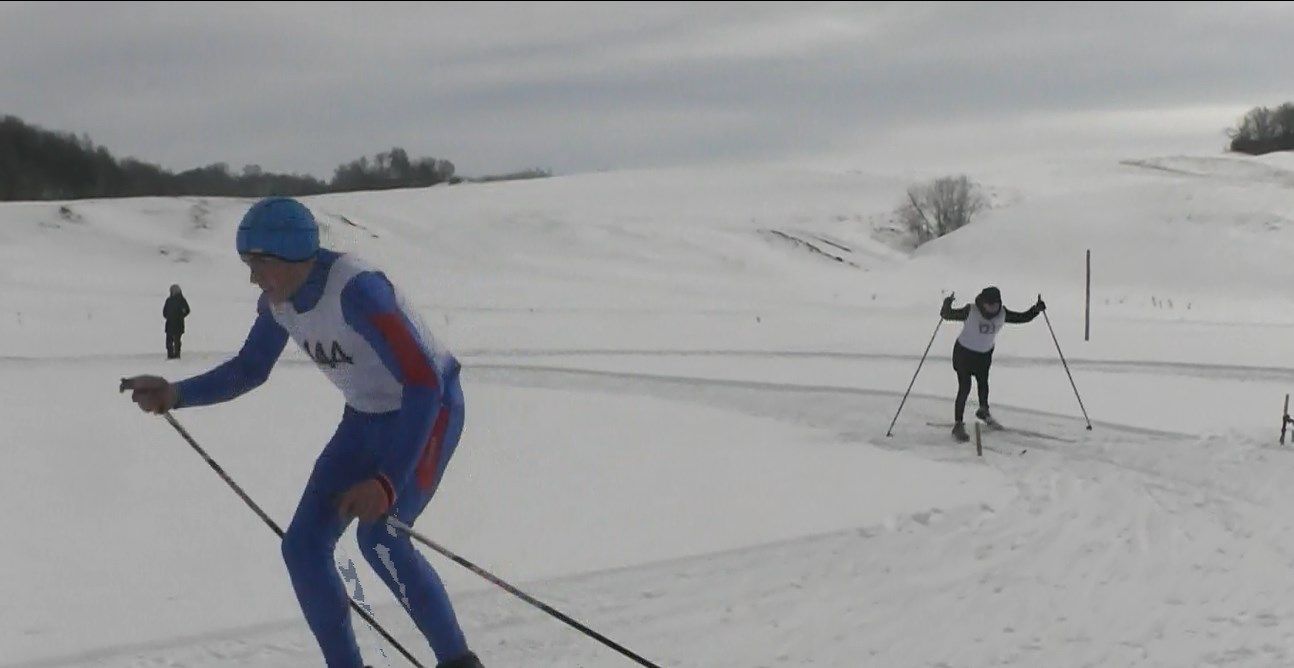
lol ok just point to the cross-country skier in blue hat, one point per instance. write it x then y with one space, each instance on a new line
401 424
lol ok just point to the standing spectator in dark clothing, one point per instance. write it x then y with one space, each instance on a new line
174 311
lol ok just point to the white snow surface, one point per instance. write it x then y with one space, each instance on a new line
677 418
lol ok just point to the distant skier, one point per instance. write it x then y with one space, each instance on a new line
401 424
174 311
973 351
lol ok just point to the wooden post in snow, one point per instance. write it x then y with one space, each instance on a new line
1285 418
1087 313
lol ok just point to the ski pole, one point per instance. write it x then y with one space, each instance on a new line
275 527
890 432
395 523
1066 365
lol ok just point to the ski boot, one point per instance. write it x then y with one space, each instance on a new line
959 432
468 660
988 418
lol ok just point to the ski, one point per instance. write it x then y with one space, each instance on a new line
1013 430
994 425
949 425
1034 434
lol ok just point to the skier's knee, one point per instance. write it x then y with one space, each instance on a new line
300 547
382 547
371 536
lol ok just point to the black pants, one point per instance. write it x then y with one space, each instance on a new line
970 364
173 344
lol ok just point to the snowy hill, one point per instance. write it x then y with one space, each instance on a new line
679 383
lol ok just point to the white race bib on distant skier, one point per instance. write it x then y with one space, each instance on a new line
979 333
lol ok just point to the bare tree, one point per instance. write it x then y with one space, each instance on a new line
1263 130
1283 118
1258 124
941 206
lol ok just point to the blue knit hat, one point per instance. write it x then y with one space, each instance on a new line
281 227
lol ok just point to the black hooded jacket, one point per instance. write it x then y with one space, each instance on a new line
986 296
175 310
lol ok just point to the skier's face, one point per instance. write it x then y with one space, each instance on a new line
991 308
278 279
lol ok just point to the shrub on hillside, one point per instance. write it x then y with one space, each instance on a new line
941 206
1264 130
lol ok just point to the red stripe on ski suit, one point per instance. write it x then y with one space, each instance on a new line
414 365
428 471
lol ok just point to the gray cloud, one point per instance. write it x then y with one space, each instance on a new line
583 86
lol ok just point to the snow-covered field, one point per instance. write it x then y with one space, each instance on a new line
679 384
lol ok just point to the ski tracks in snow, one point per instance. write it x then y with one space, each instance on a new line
1130 547
1127 548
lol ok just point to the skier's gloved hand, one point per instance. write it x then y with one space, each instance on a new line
154 394
1041 305
366 501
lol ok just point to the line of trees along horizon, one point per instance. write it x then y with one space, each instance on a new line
40 164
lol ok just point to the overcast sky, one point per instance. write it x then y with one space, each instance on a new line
588 86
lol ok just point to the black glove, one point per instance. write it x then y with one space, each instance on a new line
1040 306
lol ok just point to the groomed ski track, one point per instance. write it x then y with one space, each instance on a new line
1098 533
